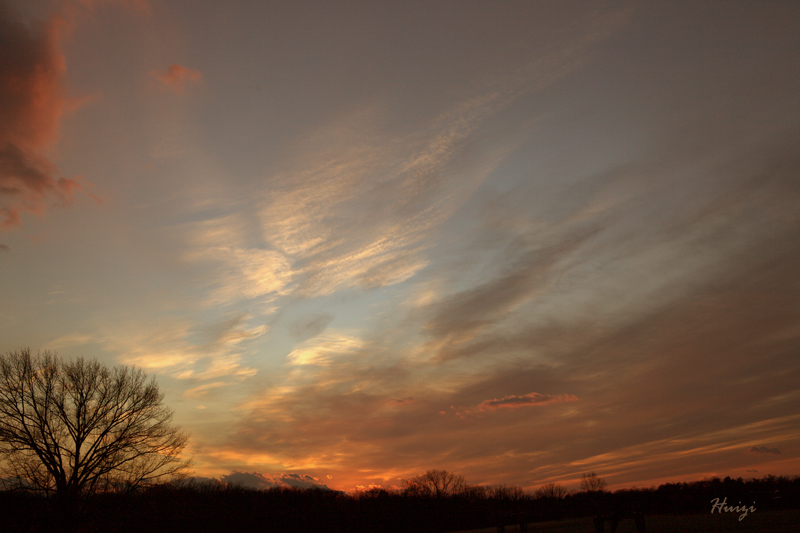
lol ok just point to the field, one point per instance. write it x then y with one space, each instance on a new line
758 522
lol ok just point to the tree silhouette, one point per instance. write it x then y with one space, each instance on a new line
551 490
591 482
74 428
512 493
436 483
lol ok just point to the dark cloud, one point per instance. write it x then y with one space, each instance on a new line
231 330
32 101
467 312
761 450
400 401
308 327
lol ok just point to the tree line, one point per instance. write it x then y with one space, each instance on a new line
215 506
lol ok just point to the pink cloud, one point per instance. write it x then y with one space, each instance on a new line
177 77
515 402
532 398
32 102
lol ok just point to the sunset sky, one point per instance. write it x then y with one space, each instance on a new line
356 240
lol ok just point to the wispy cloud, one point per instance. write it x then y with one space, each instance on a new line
241 272
313 215
400 401
322 350
179 348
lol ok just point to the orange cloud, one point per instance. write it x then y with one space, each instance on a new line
32 101
177 77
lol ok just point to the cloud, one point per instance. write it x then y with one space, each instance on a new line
237 271
180 348
325 349
762 450
400 401
455 321
315 213
232 331
32 102
177 77
255 480
308 327
514 402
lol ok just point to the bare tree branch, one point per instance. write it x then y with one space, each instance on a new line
436 483
78 427
591 482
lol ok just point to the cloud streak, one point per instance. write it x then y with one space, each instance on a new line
761 450
514 401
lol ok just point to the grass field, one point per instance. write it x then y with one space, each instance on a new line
758 522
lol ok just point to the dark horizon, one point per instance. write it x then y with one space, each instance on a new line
766 505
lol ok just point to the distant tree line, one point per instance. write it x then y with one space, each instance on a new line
416 507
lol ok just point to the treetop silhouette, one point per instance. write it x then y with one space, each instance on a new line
73 428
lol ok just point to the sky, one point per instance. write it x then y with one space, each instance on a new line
357 240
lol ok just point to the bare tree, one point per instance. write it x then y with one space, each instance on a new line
592 483
551 490
437 483
509 493
77 427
